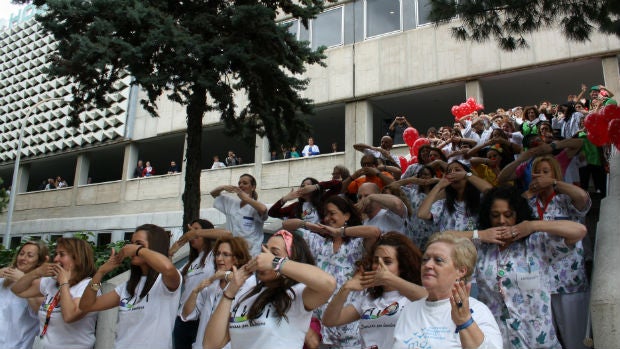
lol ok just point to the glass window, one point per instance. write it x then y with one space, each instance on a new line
424 10
294 27
382 16
327 28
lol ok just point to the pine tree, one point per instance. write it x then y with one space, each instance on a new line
198 53
509 21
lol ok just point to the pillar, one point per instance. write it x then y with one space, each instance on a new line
611 75
474 89
358 117
81 170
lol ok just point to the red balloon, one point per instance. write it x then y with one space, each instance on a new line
403 163
614 132
410 135
419 143
413 160
597 126
610 112
454 111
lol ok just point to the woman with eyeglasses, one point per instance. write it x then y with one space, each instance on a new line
204 297
386 282
336 245
18 318
62 323
447 317
148 302
276 313
514 260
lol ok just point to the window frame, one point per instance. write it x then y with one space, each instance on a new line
311 27
399 30
417 15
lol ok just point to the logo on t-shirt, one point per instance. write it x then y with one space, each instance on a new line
374 313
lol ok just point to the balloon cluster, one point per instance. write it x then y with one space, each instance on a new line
604 126
462 110
411 137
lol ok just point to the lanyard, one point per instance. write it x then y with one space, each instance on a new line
48 315
542 209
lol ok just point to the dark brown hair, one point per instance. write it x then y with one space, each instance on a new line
206 247
239 248
159 241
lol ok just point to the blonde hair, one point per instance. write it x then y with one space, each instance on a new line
553 163
464 252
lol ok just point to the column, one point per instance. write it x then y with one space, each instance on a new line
611 75
473 89
261 154
81 170
23 176
130 160
358 118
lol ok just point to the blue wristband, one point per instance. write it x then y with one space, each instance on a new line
465 325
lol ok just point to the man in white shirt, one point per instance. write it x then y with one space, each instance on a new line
310 149
385 211
217 163
382 152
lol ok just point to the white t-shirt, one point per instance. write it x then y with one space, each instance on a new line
310 150
194 276
387 220
18 322
61 335
267 332
378 317
206 302
242 221
429 325
146 322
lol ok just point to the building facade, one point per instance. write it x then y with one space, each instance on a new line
383 59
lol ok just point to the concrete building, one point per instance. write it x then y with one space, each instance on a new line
383 59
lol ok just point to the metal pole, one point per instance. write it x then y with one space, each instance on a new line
14 187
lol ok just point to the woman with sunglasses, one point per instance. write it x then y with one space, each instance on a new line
276 313
387 281
18 318
62 323
148 302
229 252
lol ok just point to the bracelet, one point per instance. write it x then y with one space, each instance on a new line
277 263
465 325
555 185
342 231
61 285
475 235
138 250
227 296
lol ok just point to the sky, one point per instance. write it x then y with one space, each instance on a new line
6 9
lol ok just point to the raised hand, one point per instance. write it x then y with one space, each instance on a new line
460 303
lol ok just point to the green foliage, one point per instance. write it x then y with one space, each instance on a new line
510 21
102 253
4 197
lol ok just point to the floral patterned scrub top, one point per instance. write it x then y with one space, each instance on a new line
515 285
458 220
341 265
418 229
568 275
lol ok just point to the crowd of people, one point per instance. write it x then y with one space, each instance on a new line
478 244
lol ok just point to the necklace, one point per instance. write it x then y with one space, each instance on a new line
502 268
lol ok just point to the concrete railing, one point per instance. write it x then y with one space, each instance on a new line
605 294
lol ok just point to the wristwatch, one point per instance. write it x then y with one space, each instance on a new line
275 262
95 286
469 174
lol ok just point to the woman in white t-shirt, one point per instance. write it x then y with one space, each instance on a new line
391 280
447 318
62 323
245 215
199 266
202 299
18 318
277 312
147 303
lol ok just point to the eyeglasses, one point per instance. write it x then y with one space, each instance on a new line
223 254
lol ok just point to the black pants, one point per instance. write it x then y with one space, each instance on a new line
184 333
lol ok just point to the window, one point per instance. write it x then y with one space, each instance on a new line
327 29
104 239
423 9
294 27
382 17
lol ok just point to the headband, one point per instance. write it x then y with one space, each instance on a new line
288 240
